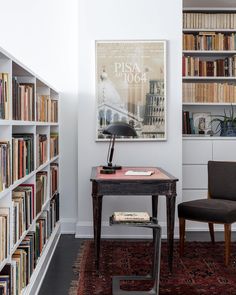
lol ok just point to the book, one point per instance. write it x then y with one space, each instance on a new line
131 216
139 173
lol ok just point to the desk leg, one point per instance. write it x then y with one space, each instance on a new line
170 206
97 219
154 211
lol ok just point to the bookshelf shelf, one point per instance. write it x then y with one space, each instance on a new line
209 30
209 52
210 78
209 104
32 138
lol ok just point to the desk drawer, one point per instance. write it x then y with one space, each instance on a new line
126 188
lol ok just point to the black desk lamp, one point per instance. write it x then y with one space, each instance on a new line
115 129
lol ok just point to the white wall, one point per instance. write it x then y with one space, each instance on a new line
43 35
126 20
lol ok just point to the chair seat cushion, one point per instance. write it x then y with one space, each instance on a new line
212 210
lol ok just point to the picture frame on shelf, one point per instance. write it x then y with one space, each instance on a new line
131 87
202 123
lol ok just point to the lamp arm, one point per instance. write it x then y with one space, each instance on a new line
112 151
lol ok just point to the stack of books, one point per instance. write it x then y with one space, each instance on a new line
4 96
5 165
5 232
23 209
22 100
54 173
23 155
131 217
54 211
42 151
54 145
47 109
41 189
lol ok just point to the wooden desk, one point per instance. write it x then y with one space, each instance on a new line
160 183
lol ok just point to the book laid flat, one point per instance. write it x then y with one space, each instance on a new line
131 216
138 173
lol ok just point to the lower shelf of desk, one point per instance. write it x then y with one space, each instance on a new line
151 224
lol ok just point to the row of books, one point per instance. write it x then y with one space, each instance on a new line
47 109
22 100
22 155
54 145
41 149
54 177
209 41
204 20
4 96
5 170
41 189
4 233
209 92
15 277
195 67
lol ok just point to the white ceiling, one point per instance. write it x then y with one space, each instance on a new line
210 3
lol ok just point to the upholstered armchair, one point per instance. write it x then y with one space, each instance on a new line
219 207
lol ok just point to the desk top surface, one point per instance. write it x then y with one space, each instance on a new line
158 175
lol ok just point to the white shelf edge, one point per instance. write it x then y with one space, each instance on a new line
209 78
41 259
208 138
214 9
209 103
209 30
209 51
4 262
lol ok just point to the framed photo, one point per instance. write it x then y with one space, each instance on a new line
202 123
131 87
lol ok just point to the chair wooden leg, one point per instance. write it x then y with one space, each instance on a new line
211 229
227 242
181 236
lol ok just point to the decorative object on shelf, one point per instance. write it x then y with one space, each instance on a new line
114 130
202 123
226 123
131 87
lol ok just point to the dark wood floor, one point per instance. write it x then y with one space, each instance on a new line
60 273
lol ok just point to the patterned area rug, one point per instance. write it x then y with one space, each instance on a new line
201 271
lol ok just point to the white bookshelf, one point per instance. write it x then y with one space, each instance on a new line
199 149
10 65
213 107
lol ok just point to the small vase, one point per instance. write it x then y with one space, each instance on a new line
227 129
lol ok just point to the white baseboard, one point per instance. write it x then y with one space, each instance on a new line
68 225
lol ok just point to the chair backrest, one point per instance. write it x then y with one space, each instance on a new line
222 180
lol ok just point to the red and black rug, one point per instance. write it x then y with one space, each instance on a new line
201 271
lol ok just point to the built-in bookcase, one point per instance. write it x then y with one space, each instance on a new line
29 174
209 63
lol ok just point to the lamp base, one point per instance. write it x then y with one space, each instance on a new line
107 171
115 167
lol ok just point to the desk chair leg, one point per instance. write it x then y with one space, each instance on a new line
181 236
227 242
211 229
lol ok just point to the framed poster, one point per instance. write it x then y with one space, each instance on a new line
131 87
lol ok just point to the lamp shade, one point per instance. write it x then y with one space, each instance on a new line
120 129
